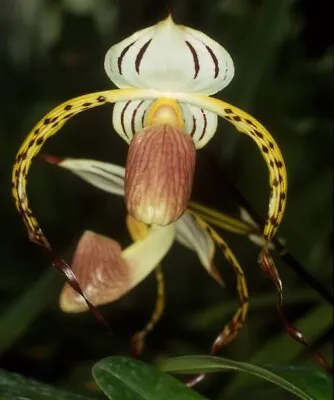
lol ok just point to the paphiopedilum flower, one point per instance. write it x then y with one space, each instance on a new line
165 74
163 134
162 109
105 272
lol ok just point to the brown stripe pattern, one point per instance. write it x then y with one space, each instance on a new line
159 174
131 116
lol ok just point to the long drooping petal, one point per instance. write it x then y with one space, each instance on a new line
267 145
232 328
106 273
268 266
170 58
43 130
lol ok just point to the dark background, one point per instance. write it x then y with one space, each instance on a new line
53 50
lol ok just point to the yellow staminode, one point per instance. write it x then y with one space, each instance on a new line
165 111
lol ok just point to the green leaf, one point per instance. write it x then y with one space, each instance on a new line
124 378
14 387
306 383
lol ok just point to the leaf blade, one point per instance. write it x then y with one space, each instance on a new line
274 374
123 378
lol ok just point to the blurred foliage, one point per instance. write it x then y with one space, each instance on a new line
52 50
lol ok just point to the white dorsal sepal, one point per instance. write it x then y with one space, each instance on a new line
170 58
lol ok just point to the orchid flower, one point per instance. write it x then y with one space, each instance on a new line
165 74
163 109
105 272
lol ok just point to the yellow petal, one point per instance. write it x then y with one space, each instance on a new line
270 151
48 126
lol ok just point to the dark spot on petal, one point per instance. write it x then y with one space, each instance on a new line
258 133
249 122
273 221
